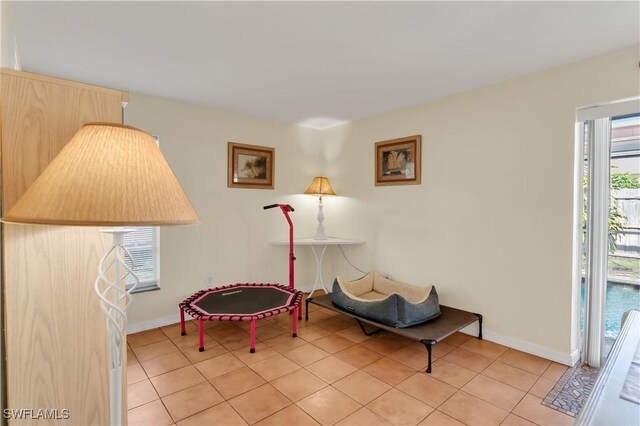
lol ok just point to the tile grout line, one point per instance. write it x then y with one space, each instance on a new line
382 355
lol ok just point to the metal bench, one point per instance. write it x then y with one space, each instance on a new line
428 333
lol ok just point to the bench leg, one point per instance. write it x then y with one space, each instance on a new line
364 330
306 308
183 330
428 344
479 325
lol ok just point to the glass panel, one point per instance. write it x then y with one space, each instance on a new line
623 283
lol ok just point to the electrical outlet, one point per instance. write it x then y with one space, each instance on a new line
386 274
209 279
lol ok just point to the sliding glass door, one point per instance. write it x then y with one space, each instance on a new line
610 255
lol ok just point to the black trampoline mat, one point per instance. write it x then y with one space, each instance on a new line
243 300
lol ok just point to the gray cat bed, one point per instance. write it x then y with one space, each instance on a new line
388 302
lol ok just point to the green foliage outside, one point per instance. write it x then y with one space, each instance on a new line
624 181
617 222
617 219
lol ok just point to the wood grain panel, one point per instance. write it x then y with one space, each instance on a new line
39 117
56 340
56 335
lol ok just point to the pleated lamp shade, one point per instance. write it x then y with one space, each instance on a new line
320 186
107 175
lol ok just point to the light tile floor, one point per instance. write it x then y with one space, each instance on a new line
331 374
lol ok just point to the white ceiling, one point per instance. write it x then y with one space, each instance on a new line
313 63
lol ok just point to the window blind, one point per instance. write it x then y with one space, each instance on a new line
142 243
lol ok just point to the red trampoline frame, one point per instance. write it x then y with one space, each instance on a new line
188 305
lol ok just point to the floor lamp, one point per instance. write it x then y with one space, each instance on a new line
320 186
113 176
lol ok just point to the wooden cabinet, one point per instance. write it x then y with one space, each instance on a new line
56 345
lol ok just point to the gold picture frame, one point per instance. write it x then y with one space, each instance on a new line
250 166
398 161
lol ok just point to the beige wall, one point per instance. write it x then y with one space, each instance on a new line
232 242
8 46
491 224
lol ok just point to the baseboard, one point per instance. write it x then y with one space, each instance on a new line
568 359
154 323
575 357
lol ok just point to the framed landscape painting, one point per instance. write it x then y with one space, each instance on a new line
250 166
398 161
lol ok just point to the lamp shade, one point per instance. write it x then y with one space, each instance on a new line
320 186
107 175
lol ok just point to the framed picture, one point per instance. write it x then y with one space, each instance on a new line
250 166
398 161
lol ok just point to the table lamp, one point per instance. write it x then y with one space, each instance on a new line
108 175
320 186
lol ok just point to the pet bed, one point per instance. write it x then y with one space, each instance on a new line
385 301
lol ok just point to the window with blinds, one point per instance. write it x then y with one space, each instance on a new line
144 246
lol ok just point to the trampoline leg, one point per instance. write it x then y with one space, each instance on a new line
252 344
299 311
306 309
183 330
294 326
428 344
201 335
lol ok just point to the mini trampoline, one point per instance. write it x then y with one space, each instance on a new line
248 301
241 302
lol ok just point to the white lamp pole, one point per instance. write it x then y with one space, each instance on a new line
114 300
320 186
320 234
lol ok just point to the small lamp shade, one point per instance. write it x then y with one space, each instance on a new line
320 186
107 175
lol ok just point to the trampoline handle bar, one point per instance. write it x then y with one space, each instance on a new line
271 206
286 209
